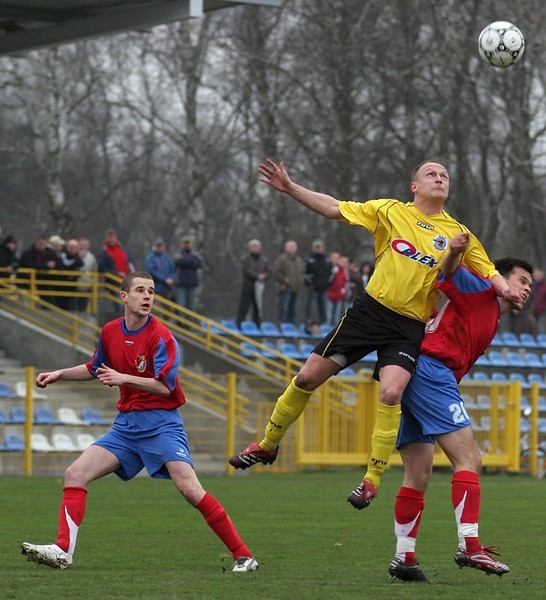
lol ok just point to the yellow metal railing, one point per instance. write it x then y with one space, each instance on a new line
336 426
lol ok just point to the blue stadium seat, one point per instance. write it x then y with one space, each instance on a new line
515 360
289 330
3 418
18 415
92 417
525 404
496 359
541 340
370 358
542 404
231 325
251 329
532 377
532 359
7 392
480 376
270 330
305 350
497 340
267 353
303 333
14 443
515 376
43 416
498 376
524 426
290 351
510 339
325 329
248 350
482 361
528 340
347 372
542 425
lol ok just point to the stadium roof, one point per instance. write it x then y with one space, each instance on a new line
30 24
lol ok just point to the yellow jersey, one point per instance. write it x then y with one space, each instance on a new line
409 247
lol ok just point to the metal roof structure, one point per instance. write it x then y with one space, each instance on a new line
31 24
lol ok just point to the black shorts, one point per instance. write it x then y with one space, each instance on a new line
369 326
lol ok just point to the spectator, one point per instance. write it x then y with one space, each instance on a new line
42 258
366 271
338 288
255 270
187 264
90 265
318 274
162 269
70 260
113 258
8 256
539 293
288 273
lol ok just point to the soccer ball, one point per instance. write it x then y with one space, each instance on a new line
501 44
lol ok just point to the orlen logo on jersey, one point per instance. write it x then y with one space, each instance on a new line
406 248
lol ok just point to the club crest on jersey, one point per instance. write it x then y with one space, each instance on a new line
406 248
440 242
140 363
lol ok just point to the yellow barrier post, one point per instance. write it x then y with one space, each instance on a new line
533 442
231 395
29 403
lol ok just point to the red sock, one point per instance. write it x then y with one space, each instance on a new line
218 520
71 516
466 495
408 509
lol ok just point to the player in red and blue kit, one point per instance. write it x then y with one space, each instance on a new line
433 410
138 354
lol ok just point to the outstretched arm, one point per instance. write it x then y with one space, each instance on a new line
277 177
77 373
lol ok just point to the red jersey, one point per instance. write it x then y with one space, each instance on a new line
150 351
463 328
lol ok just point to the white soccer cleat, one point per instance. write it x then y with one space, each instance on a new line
49 554
245 564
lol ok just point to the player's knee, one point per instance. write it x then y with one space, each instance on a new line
74 476
391 395
305 381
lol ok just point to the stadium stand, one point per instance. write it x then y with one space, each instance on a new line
290 350
84 440
62 442
92 416
39 443
270 330
68 416
510 339
43 416
18 415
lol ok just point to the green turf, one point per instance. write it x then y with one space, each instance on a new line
141 540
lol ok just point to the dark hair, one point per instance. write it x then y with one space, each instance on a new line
126 282
417 167
506 264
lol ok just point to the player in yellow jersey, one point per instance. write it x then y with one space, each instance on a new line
410 241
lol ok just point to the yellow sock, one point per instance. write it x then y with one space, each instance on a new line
384 436
289 407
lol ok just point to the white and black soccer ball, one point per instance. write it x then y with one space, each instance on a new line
501 44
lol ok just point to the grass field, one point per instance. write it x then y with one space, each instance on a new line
141 540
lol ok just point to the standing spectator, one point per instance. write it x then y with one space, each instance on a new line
539 293
8 256
90 265
187 264
318 274
366 271
255 271
70 261
161 267
288 273
113 258
41 257
338 288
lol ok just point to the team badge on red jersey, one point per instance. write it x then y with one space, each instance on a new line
140 363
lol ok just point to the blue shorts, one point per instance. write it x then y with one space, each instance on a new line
147 438
431 404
